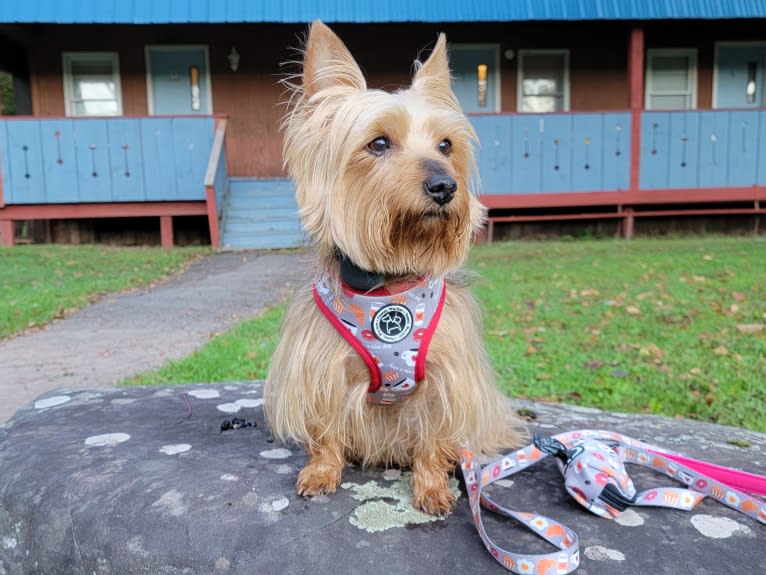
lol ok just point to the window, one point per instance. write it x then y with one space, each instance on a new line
92 84
671 79
543 84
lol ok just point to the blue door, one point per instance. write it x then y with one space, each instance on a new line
475 76
179 80
740 72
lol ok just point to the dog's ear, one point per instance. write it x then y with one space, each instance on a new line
433 76
328 63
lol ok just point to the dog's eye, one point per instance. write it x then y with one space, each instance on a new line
379 146
445 147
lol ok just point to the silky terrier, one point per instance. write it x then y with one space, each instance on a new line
381 360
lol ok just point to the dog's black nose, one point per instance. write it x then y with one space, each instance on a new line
441 188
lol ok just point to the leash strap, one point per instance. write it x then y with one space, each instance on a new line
719 485
566 560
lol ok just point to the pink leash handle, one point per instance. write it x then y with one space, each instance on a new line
734 478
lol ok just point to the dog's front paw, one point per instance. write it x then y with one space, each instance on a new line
434 501
317 479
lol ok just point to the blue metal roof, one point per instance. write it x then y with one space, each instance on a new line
362 11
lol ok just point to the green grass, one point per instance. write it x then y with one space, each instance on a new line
41 283
672 326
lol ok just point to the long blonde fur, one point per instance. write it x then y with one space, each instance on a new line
374 210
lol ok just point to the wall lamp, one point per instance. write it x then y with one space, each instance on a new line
233 58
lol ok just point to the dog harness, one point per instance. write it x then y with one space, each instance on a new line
592 463
390 331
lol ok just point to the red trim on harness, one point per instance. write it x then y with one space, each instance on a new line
349 337
382 291
420 362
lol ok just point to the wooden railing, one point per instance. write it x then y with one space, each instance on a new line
216 182
705 149
524 154
553 153
578 166
92 160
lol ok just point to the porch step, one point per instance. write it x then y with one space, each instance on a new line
260 214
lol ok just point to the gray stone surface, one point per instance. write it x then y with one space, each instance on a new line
125 334
119 481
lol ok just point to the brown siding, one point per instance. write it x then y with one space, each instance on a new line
251 96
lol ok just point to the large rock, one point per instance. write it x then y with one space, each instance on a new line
103 481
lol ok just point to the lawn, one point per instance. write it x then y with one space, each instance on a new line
672 326
40 283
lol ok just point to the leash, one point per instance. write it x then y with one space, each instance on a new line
592 462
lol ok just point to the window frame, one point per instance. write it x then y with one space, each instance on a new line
68 58
522 54
693 56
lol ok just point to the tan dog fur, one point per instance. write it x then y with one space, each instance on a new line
373 208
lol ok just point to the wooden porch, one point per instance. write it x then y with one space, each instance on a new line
73 168
586 166
623 166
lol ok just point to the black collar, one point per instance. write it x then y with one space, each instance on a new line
356 277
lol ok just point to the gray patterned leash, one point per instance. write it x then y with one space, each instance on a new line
592 462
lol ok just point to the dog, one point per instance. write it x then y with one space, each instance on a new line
380 359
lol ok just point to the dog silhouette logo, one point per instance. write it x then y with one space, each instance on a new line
392 323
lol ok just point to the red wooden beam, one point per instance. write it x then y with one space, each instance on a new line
636 101
697 195
7 232
703 212
166 232
617 198
526 201
558 217
212 217
105 210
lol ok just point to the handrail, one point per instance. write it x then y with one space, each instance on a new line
215 152
214 190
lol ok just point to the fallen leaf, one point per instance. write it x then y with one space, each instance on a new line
633 310
734 308
750 327
594 364
721 350
651 350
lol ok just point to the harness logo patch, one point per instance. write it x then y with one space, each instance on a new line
392 323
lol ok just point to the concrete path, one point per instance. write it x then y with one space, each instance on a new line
123 335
